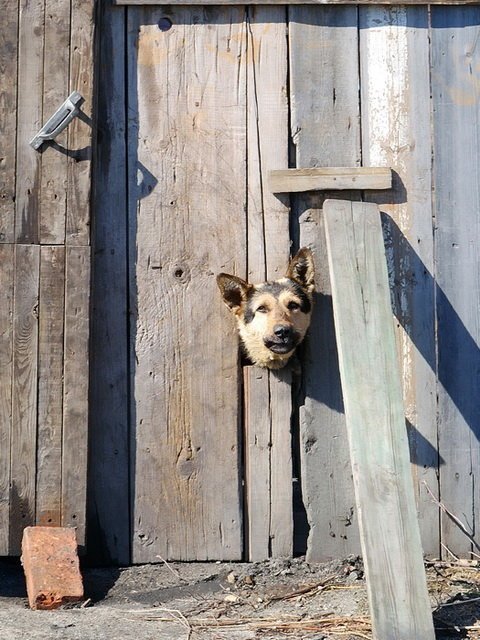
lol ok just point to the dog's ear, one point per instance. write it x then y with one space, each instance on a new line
234 290
302 269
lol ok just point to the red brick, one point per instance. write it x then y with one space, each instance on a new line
51 566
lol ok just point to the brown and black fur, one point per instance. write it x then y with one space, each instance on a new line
272 317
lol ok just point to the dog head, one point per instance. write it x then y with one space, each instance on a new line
272 317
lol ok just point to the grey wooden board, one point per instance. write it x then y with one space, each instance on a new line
268 250
394 58
50 386
455 77
108 505
79 133
328 178
24 393
6 358
53 183
187 163
29 119
76 379
325 132
257 463
8 72
390 536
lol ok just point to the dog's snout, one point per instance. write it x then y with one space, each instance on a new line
282 331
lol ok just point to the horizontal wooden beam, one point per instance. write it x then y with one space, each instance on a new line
329 178
230 2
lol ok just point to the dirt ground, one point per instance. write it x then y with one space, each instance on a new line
219 601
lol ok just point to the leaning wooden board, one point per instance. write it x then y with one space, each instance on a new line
379 451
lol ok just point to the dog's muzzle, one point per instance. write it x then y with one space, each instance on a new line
283 340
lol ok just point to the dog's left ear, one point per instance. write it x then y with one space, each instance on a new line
302 269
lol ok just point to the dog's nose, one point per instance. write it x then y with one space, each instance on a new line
282 331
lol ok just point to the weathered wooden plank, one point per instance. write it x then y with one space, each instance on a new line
269 239
455 91
79 132
327 178
187 106
75 402
8 104
326 131
50 386
24 407
52 209
258 435
29 119
294 2
6 357
395 93
372 393
107 509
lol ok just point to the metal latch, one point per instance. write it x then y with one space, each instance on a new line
60 119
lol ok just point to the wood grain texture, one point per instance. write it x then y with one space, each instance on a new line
80 132
187 187
75 375
31 39
6 360
372 392
50 386
108 504
258 434
24 393
53 182
455 91
8 103
328 178
394 58
269 242
326 132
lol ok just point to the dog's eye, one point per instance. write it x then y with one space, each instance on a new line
293 306
262 308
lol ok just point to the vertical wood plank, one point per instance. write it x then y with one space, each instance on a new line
75 374
455 91
53 182
8 105
108 504
257 463
6 357
29 119
372 392
187 191
24 407
325 130
395 91
269 239
79 132
50 386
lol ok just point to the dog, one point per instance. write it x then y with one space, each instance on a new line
272 317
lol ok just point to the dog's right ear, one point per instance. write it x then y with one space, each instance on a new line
234 290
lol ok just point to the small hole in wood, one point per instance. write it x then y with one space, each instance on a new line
164 24
178 273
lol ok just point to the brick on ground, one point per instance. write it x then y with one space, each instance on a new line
51 566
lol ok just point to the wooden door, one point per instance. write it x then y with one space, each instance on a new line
46 52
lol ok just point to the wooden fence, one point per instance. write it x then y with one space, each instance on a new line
196 105
192 455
